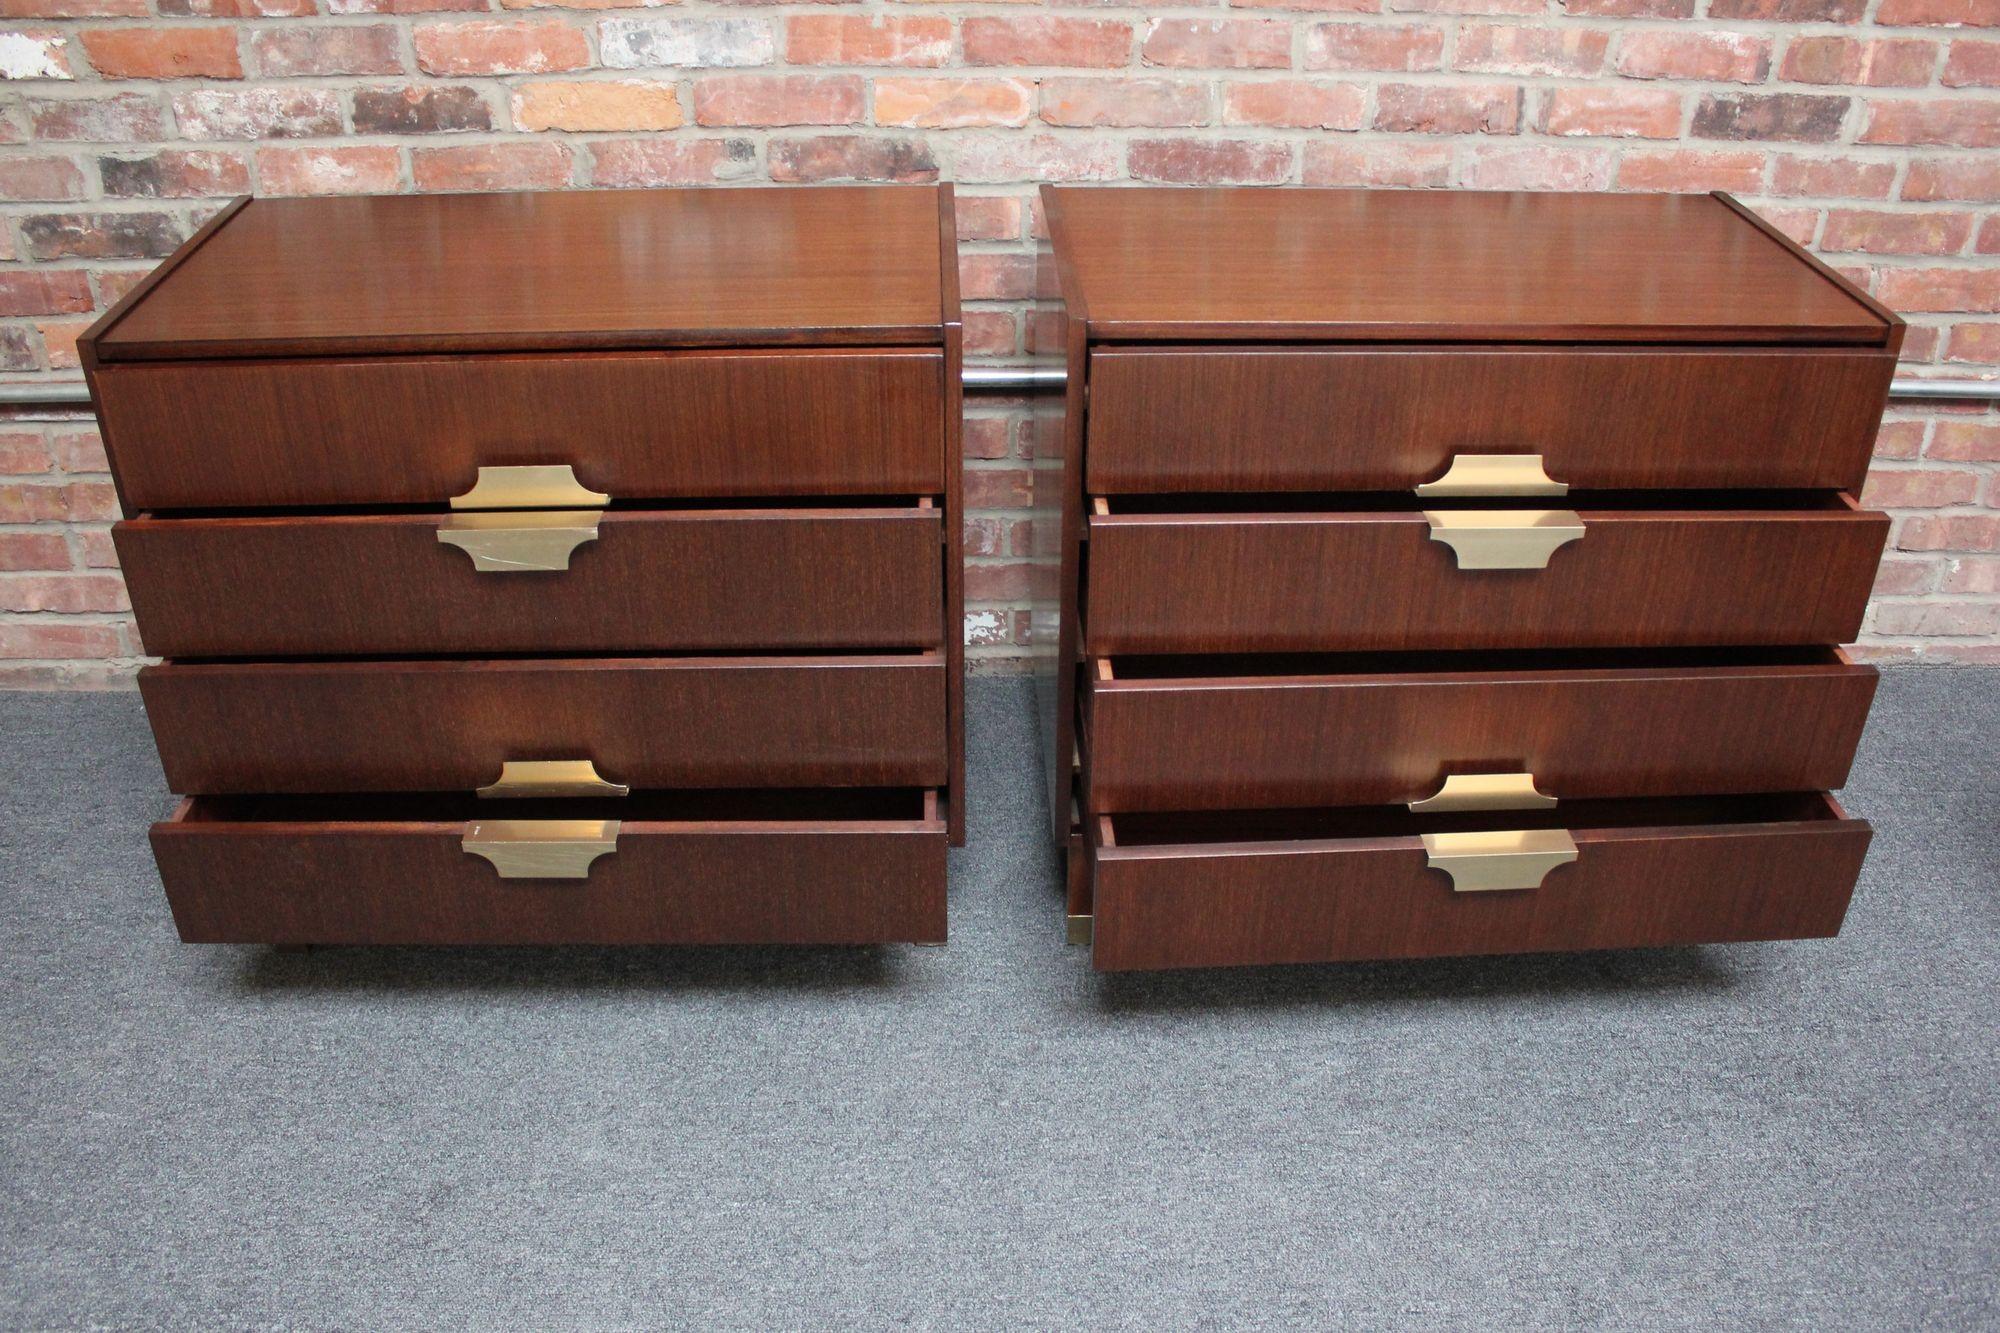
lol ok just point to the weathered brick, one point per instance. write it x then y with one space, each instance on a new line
1713 57
1904 578
73 501
779 99
996 277
1295 104
1642 113
1919 488
1331 162
1965 442
1568 52
239 9
1899 439
702 43
1877 232
1973 290
1989 237
1124 102
402 6
420 108
40 178
1905 63
113 284
16 351
1538 167
22 452
506 166
1637 9
79 451
321 49
257 113
34 54
100 235
953 104
1938 13
1971 575
352 169
1313 6
990 333
33 550
1793 117
582 106
1097 43
1789 11
1000 582
1833 177
1417 108
988 217
67 594
1685 170
1965 122
525 46
1950 532
998 488
1217 43
1972 65
58 640
1405 47
1968 178
134 117
677 161
163 53
1040 157
1469 6
852 157
848 39
96 548
987 437
1923 619
1209 161
198 173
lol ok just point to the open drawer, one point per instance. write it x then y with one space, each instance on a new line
1212 889
1258 731
1219 574
451 724
801 867
853 575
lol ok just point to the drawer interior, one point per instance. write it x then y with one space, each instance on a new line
1200 827
1252 666
778 806
1744 502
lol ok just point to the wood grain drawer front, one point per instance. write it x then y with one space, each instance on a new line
644 722
1749 869
375 872
651 580
1368 581
1389 738
1194 419
416 430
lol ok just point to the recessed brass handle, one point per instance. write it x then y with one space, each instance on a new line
1495 474
1504 538
1481 862
1484 791
541 848
539 542
540 486
551 777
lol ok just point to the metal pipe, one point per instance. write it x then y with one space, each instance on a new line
1033 379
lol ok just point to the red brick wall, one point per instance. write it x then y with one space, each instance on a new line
1866 128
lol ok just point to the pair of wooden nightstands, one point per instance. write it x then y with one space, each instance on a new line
1423 573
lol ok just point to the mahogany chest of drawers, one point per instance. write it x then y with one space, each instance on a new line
549 568
1433 574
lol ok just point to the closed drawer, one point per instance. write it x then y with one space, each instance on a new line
1207 733
1381 580
647 580
694 868
1190 890
1391 418
416 430
643 722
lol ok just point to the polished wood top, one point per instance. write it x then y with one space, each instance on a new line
545 271
1396 265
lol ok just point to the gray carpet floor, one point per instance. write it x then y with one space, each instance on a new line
989 1135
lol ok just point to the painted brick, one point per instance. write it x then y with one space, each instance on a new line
1097 43
360 169
309 50
1118 101
1217 43
1295 104
597 104
508 166
1209 161
1403 48
1330 162
680 42
34 54
643 162
1416 108
1568 52
175 174
163 53
1715 57
41 179
953 104
523 47
852 157
847 39
1642 113
1884 233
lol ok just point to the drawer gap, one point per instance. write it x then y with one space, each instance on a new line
1396 502
834 656
1125 669
664 506
774 805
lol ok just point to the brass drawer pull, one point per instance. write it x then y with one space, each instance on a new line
1495 474
520 543
1480 862
1504 538
541 848
551 777
540 486
1484 791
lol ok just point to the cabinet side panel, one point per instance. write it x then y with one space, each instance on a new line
1055 339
